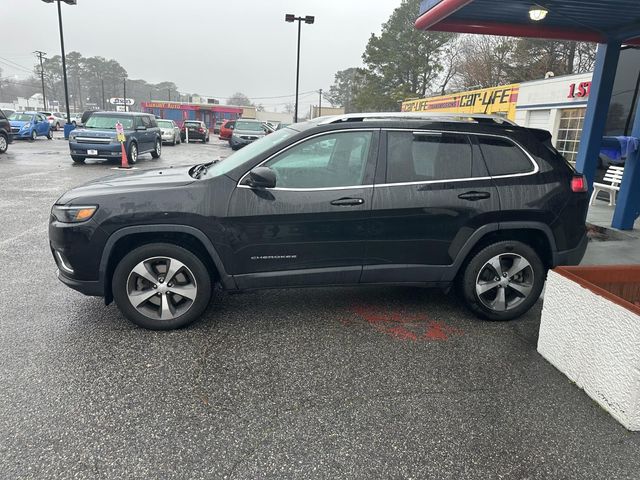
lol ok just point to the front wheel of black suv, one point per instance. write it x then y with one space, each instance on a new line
503 280
158 150
161 286
4 143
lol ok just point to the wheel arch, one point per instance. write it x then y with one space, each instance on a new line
126 239
534 234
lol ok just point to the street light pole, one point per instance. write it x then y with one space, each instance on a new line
309 20
320 104
64 62
124 84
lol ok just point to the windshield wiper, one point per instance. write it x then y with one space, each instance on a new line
201 169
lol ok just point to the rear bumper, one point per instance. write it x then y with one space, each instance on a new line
573 256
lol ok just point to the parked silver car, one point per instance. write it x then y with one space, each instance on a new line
245 132
55 119
76 119
170 131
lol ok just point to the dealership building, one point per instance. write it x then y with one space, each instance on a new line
556 104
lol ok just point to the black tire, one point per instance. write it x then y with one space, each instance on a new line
33 136
132 153
50 134
532 278
77 159
207 139
121 282
175 141
4 143
156 152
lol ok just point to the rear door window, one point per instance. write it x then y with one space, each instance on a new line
503 157
146 121
427 156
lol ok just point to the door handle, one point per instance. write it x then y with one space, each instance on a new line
474 196
346 202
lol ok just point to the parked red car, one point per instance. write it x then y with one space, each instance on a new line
227 129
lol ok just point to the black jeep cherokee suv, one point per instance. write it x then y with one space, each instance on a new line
369 199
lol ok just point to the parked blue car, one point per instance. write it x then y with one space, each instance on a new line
30 125
97 139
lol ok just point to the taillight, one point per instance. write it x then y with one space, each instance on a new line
579 184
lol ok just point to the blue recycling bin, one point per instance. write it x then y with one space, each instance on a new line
67 129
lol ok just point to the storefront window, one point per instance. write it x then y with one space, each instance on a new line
571 123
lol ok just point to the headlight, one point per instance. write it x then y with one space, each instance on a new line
26 125
73 214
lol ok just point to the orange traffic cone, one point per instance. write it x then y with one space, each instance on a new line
125 162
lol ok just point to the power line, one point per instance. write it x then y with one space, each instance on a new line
11 63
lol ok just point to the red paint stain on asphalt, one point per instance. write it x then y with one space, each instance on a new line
405 327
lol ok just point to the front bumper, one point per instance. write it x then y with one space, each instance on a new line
20 133
239 141
105 150
86 287
573 256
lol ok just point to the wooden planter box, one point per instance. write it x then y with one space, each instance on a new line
590 331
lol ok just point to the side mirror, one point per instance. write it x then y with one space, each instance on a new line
261 177
140 128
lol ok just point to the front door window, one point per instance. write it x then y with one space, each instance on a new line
328 161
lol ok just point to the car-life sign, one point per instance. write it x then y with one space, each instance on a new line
494 100
121 101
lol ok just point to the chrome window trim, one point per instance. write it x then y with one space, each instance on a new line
535 170
319 189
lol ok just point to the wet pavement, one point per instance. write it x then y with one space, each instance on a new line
372 382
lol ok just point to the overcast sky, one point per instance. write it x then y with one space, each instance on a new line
210 47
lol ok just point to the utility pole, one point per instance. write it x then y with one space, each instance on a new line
124 84
40 54
103 99
169 90
320 104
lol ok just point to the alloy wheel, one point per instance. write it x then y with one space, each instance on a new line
134 153
504 282
3 144
161 288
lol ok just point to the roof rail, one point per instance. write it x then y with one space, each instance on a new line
431 116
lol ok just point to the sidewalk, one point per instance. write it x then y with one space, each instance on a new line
608 245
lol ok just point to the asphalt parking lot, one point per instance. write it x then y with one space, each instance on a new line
382 382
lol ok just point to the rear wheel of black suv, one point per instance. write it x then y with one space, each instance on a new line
161 286
503 281
77 158
158 150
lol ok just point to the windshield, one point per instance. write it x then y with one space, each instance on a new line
250 151
21 117
108 122
165 124
251 126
